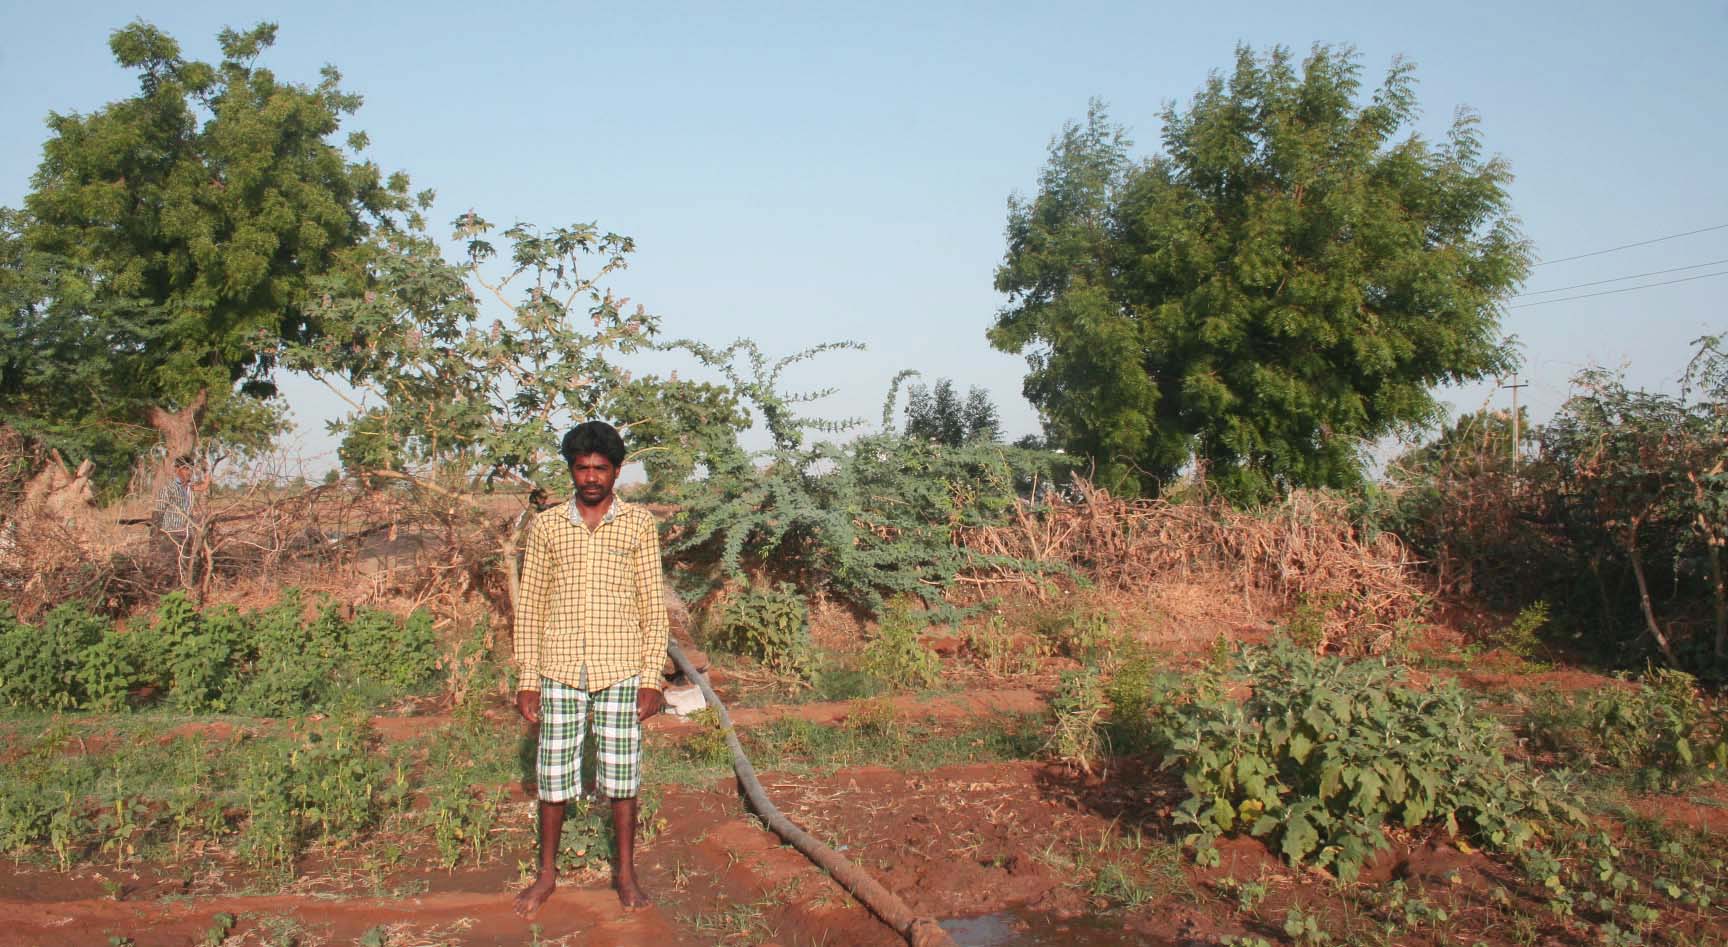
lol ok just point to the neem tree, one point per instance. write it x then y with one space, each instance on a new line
168 246
1287 281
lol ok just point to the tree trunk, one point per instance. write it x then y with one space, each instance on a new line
1644 596
59 493
179 430
1720 588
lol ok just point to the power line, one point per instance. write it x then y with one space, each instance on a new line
1641 243
1624 289
1561 289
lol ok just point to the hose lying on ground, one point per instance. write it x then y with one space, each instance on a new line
918 931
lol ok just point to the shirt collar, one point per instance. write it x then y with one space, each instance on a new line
575 514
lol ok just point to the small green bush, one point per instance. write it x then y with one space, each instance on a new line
322 781
39 665
1325 753
897 654
269 662
1661 729
1520 637
770 625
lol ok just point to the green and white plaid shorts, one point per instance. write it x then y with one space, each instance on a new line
564 719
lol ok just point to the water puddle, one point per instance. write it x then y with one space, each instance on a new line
1011 929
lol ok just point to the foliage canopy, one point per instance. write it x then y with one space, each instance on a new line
1289 278
170 240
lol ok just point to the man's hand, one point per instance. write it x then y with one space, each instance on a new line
528 705
649 702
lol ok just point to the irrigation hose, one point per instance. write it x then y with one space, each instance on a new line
918 931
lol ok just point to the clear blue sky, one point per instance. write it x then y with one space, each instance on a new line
798 173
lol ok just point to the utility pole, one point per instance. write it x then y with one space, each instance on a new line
1515 386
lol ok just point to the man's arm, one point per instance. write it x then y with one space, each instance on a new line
651 604
534 594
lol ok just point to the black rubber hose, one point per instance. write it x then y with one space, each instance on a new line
918 931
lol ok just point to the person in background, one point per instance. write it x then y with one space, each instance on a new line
175 515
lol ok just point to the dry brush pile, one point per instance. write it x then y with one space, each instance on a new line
1303 556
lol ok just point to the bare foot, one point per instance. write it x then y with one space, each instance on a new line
630 895
529 901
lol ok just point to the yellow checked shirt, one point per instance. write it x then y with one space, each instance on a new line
591 600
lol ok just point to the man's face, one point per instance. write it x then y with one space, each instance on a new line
184 472
593 476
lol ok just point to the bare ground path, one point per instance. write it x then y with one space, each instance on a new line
470 918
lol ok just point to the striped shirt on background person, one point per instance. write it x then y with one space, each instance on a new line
174 506
592 609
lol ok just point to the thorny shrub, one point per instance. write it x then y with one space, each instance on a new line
863 521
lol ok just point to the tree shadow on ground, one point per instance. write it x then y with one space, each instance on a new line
1131 791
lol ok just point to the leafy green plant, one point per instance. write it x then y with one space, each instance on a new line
770 625
104 675
269 662
1661 728
707 746
1520 637
321 781
1304 928
461 821
897 653
39 666
587 842
397 655
1325 753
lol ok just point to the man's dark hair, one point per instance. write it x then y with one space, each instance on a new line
593 437
184 460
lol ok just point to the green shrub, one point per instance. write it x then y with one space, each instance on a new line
203 653
1661 728
1077 737
897 653
707 746
863 521
322 781
770 625
39 666
1520 637
1135 693
269 662
104 675
1325 753
292 665
396 654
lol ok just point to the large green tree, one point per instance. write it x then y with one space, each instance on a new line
168 244
1288 280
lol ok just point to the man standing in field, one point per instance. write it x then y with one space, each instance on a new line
175 519
590 636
